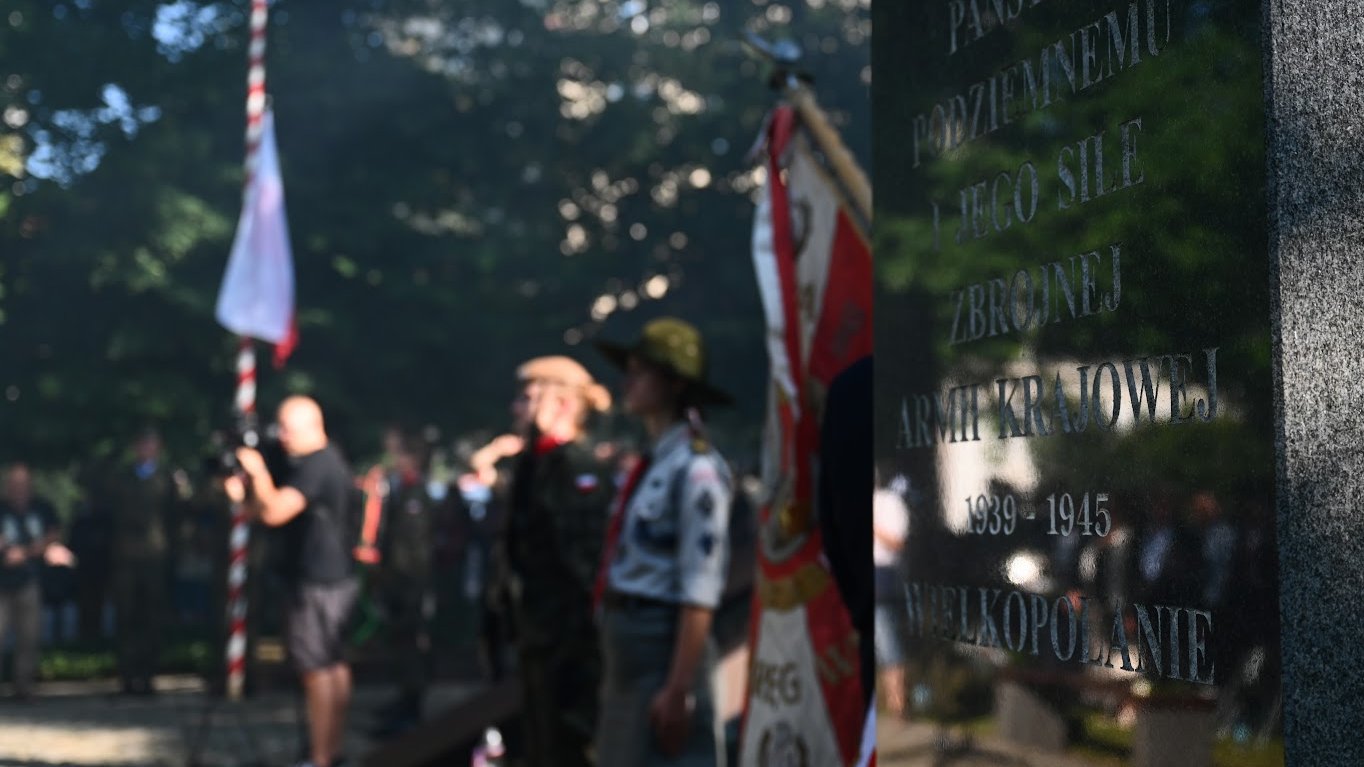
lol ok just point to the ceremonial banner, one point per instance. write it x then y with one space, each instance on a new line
806 705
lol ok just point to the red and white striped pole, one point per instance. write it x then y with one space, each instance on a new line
255 87
240 537
245 401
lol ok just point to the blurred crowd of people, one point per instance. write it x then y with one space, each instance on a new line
134 558
598 572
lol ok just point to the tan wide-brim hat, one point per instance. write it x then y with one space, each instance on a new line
566 372
675 346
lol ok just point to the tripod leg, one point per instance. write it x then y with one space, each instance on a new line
252 743
201 737
301 716
244 733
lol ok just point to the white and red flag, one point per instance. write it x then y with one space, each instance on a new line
257 295
806 705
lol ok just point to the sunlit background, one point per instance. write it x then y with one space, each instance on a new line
468 183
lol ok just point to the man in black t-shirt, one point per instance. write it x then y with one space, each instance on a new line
309 508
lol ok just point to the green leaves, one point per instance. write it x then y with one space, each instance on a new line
427 150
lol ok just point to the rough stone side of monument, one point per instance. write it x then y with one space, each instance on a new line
1314 83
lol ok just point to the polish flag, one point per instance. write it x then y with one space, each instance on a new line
257 295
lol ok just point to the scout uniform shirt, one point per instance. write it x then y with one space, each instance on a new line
673 544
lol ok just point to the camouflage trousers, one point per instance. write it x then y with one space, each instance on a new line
559 705
140 608
409 604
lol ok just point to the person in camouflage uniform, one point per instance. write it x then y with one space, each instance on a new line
142 516
405 582
483 504
559 500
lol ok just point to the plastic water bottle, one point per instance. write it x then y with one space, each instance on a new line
490 753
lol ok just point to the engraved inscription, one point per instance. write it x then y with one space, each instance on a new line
1081 167
971 20
1099 523
1081 286
1153 389
1080 420
1094 53
1170 642
1001 515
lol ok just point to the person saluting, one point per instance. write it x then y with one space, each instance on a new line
559 500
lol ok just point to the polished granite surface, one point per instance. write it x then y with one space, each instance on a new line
1074 377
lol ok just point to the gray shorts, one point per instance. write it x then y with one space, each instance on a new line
889 634
315 622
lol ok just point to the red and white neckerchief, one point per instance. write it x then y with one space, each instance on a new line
613 529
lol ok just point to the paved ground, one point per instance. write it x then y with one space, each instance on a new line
912 744
86 724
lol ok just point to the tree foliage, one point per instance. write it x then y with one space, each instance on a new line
468 183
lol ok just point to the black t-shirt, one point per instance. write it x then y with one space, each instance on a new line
24 527
315 546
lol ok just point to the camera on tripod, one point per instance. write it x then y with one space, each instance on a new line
222 459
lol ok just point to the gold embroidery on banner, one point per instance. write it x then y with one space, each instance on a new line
794 519
795 590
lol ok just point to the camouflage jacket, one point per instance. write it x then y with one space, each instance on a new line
559 503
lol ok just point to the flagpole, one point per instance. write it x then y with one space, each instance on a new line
794 84
841 161
245 399
240 537
255 89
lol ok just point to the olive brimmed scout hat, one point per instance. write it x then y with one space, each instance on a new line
676 347
566 372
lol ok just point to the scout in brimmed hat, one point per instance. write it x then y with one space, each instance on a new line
675 347
663 568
